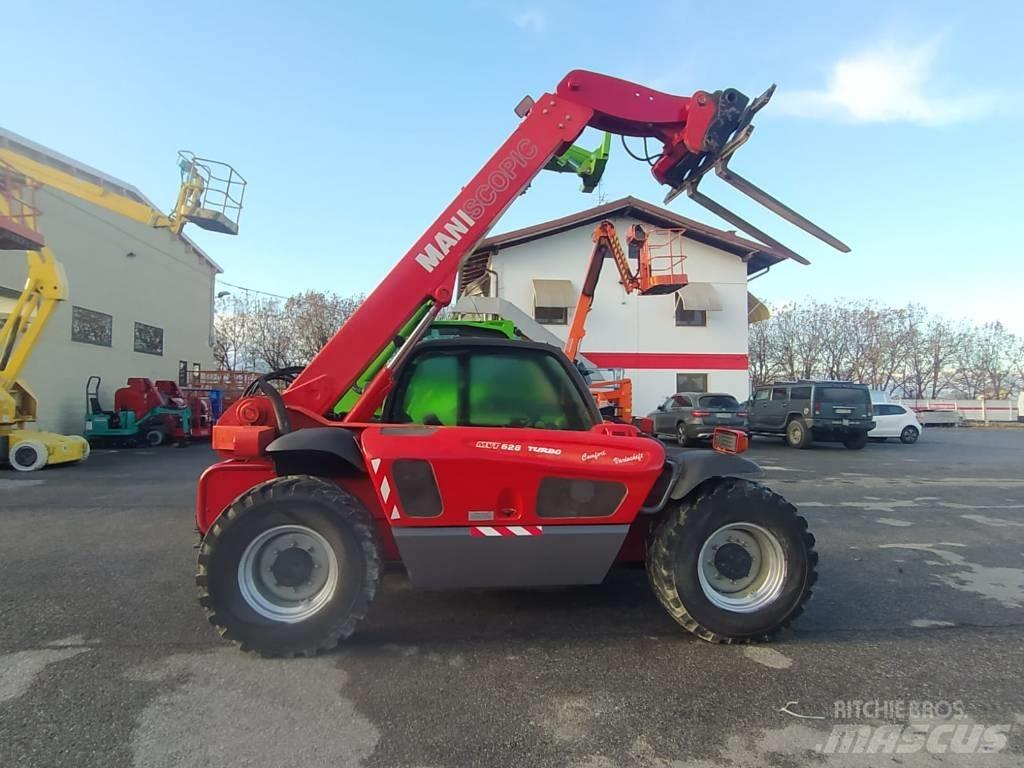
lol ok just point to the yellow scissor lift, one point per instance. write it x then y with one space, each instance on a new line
210 196
22 448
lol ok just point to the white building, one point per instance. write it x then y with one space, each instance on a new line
140 298
695 340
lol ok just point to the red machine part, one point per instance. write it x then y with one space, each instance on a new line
427 272
198 402
139 396
693 132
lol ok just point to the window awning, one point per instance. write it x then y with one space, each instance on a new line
756 310
699 296
553 293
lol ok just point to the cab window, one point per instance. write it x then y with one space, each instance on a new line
490 388
762 394
779 393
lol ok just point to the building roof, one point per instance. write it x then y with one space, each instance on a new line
54 159
757 256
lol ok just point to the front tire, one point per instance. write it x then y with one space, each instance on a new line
154 438
290 568
909 435
734 563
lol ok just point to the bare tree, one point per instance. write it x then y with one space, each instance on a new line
315 316
273 338
763 367
232 332
892 349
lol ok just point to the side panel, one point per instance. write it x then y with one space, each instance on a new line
509 556
516 507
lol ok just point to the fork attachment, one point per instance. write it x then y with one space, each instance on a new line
729 131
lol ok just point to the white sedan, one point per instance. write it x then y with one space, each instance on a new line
892 420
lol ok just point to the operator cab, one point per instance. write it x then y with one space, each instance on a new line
490 383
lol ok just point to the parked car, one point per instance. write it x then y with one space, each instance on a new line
692 416
892 420
804 411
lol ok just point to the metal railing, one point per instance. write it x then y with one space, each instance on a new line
18 198
667 253
223 188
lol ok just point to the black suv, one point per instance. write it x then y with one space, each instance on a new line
804 411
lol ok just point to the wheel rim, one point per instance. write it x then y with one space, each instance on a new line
25 455
909 434
288 573
794 432
742 568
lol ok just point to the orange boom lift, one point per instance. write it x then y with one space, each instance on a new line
659 255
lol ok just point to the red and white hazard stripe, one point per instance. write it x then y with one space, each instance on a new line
506 530
385 489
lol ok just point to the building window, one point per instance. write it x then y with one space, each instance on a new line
551 315
690 317
149 339
91 327
691 382
183 373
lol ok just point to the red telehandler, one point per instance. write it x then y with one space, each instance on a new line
489 464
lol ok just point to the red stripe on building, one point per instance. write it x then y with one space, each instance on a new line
668 361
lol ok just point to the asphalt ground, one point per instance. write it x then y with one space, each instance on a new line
107 660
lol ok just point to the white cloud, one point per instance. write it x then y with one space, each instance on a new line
530 19
887 83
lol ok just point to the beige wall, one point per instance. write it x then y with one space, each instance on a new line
165 284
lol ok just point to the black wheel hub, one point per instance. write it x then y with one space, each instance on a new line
25 455
293 567
733 561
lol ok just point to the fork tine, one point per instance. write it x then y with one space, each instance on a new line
776 206
722 212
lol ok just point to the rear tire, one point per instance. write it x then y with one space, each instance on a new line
909 435
681 436
797 434
856 441
290 568
154 438
684 570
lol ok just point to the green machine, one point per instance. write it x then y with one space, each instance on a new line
141 414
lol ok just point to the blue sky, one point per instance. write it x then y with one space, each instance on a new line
896 125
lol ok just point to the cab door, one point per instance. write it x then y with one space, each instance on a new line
493 468
760 409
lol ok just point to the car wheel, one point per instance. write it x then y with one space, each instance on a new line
856 441
154 437
797 434
909 435
681 436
